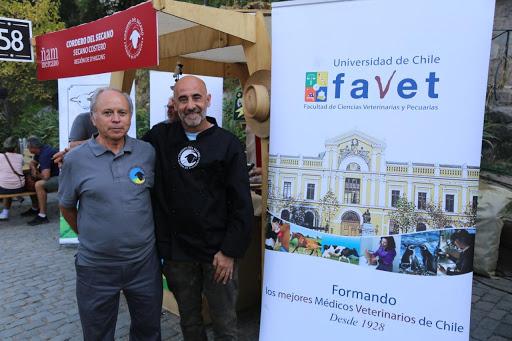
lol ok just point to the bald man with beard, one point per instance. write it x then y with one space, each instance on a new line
203 211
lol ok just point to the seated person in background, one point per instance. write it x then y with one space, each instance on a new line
12 180
81 130
46 174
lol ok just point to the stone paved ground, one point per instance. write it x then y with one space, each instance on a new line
491 311
37 291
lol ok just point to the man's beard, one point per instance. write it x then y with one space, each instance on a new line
193 119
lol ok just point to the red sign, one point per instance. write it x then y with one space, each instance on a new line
124 40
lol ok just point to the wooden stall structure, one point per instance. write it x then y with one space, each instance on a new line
205 41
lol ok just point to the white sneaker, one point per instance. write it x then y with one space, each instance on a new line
4 215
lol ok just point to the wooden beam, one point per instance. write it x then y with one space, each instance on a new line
122 80
158 4
244 76
228 21
236 70
258 54
190 40
203 67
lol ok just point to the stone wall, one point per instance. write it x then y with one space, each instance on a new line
500 66
497 134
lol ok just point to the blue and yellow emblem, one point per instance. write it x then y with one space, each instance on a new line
137 175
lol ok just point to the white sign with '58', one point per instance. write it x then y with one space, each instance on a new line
15 40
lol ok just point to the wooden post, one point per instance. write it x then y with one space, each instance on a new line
122 80
258 57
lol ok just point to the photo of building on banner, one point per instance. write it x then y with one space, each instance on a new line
374 160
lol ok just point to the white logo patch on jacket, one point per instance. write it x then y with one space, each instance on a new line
189 157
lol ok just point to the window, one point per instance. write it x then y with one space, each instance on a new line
287 189
310 192
474 202
270 189
422 201
449 203
395 195
352 187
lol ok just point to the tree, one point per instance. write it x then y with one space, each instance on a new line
405 217
436 216
40 121
142 101
469 216
76 12
330 207
231 86
25 92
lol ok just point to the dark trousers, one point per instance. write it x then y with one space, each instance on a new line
188 281
97 293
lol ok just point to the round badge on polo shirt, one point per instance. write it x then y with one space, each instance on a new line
189 157
137 175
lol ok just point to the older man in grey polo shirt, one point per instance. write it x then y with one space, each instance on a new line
111 176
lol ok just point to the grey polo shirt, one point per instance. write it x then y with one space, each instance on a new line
115 219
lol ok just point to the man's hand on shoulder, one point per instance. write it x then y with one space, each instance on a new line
224 266
58 157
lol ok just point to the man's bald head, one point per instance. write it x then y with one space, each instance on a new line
191 100
189 81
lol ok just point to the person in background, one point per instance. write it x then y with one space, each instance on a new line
172 114
46 174
12 180
81 130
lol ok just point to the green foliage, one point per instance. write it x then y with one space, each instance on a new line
496 143
142 119
231 86
40 121
25 93
76 12
142 101
261 4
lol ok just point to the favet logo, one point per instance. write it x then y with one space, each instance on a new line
316 87
133 38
